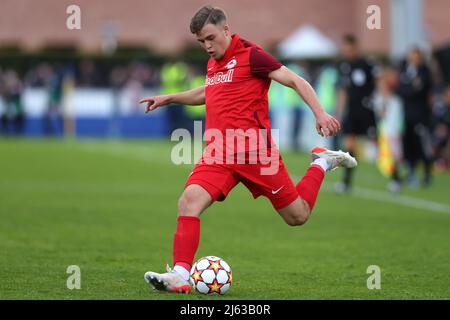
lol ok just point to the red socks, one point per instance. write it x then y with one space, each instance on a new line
309 186
185 241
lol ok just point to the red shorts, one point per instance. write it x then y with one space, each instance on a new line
219 179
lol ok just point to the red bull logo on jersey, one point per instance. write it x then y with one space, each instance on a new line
219 77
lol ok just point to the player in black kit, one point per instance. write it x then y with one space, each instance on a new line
415 89
354 107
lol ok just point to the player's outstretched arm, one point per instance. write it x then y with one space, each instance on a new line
326 125
192 97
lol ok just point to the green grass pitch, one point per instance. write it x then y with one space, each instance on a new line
110 208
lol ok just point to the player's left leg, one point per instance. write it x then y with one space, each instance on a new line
298 211
194 200
206 184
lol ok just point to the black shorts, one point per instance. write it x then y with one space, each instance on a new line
360 125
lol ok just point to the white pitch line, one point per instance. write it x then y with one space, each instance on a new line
403 200
398 199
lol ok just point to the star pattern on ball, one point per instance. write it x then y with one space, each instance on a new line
197 276
214 287
214 265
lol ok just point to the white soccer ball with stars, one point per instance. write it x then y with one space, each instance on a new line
211 275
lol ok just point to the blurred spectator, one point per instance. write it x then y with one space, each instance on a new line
143 73
297 104
132 91
38 76
88 74
286 109
327 91
441 133
117 79
196 113
415 90
2 103
52 120
354 110
12 119
389 111
174 79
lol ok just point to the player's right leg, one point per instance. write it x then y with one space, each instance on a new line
298 211
194 200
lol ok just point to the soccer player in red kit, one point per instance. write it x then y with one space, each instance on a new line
235 93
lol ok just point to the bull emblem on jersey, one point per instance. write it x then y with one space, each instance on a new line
231 64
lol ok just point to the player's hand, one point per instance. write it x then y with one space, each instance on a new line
154 102
327 125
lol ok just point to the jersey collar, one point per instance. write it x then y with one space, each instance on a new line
230 51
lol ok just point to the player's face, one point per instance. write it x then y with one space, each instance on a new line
349 51
415 57
215 39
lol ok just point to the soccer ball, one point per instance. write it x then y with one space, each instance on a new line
211 275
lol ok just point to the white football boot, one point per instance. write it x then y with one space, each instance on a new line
334 159
169 281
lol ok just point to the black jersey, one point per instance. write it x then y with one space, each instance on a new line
357 79
415 90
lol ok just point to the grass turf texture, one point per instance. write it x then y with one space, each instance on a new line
110 207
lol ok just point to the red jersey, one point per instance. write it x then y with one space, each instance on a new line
236 87
236 98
